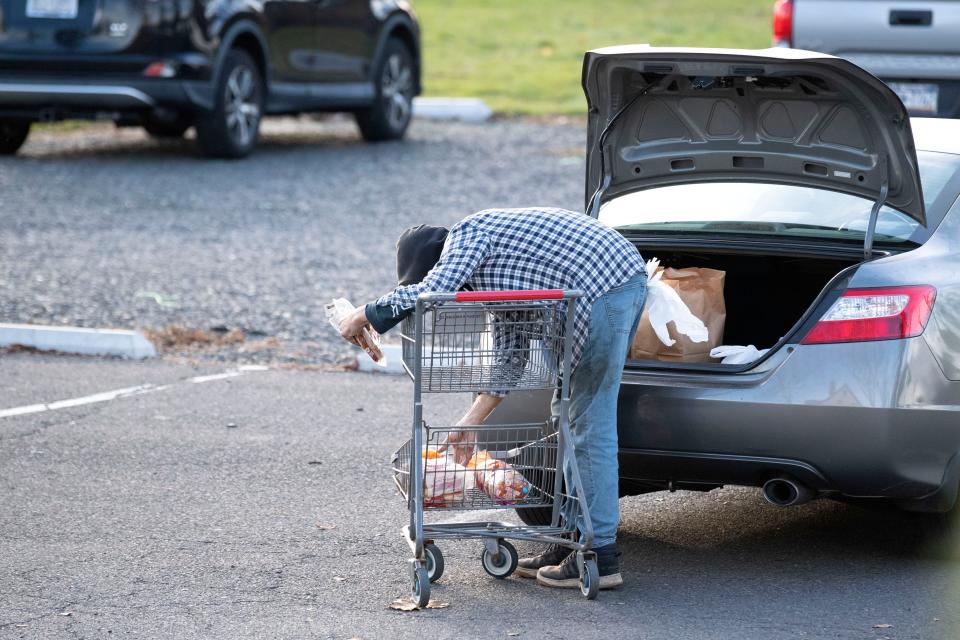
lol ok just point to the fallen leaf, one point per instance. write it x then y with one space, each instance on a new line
882 626
406 604
403 604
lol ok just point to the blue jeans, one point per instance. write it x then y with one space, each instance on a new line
594 388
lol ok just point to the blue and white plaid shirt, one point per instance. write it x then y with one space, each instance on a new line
523 249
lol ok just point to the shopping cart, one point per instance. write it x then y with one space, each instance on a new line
497 341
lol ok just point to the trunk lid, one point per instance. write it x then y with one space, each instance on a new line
663 116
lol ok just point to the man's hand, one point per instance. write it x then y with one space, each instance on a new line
352 326
464 443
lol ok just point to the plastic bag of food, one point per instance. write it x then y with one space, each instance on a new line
736 354
340 308
497 479
444 481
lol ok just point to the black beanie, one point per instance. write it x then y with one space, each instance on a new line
418 249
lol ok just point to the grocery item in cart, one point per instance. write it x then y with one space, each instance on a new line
340 308
444 481
497 479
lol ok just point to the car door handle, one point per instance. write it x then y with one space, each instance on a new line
910 18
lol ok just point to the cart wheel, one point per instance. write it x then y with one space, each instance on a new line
434 561
421 587
501 565
589 578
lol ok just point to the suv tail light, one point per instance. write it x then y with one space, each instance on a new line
783 23
886 313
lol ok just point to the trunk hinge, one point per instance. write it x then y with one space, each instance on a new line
875 211
593 207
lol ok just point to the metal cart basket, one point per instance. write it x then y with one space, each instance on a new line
493 342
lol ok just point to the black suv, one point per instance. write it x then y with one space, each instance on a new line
216 65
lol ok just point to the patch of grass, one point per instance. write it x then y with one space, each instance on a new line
524 57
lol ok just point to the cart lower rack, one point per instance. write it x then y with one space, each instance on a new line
493 342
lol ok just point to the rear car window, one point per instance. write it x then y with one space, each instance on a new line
756 208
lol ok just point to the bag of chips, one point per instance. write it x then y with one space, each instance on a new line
340 308
497 479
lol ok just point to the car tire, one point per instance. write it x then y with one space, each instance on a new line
535 516
172 127
230 129
13 133
395 83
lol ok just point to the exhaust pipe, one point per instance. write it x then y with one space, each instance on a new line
785 492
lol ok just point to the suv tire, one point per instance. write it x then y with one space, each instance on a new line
230 130
171 127
392 108
13 133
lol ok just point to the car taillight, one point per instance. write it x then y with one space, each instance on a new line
885 313
783 23
160 70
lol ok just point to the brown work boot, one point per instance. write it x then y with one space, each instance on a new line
566 575
554 555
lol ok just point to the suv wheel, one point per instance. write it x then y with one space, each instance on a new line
230 129
389 116
13 133
173 126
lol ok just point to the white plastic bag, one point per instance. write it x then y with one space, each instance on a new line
340 308
736 354
444 481
664 306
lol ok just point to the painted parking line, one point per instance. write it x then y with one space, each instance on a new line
115 394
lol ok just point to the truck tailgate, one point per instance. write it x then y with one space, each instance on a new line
909 39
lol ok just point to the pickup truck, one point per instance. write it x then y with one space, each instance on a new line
912 45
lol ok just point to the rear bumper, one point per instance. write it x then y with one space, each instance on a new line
867 420
77 96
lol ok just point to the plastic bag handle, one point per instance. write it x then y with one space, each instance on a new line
501 296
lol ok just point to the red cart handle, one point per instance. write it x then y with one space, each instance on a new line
503 296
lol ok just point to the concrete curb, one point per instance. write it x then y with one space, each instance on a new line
464 109
88 342
394 355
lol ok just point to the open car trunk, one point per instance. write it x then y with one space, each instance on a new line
765 295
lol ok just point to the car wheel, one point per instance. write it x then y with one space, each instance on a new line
169 127
392 108
230 130
13 133
535 516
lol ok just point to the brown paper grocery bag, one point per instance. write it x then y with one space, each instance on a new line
702 291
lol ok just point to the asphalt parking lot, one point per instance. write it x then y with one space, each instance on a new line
146 515
106 227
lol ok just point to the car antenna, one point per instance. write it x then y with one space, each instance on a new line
594 205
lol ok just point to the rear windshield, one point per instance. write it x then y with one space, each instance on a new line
755 208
